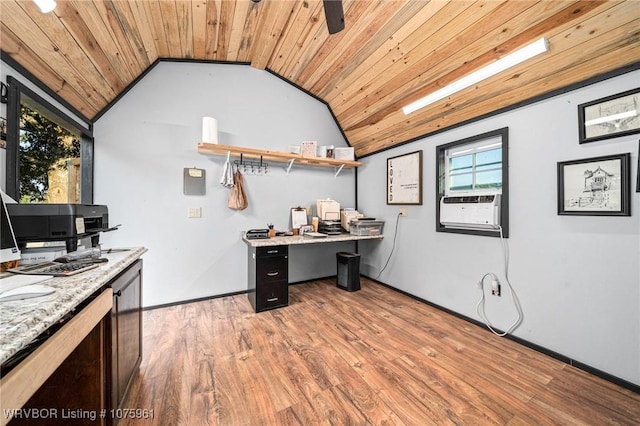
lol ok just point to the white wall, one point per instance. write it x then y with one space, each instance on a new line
577 278
143 143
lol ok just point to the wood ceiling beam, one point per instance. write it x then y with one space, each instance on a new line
373 115
42 70
546 75
273 21
287 44
227 10
80 72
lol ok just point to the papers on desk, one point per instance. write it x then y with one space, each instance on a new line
315 235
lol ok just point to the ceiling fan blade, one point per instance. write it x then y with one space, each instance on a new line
334 15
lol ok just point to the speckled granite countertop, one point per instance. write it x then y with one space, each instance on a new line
21 321
297 239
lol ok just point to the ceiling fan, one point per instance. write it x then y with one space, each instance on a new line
333 13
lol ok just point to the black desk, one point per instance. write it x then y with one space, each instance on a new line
268 280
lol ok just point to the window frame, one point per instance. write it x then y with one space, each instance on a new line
442 176
16 92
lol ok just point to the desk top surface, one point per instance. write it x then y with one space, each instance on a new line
299 239
21 321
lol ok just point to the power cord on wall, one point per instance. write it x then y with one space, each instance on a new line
392 248
496 288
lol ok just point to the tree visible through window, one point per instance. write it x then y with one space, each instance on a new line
49 160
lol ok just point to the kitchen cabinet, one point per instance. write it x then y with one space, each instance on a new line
268 282
125 353
62 381
70 357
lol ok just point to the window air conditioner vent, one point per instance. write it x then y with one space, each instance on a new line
470 211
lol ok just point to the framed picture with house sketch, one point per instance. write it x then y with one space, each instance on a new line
598 186
610 117
638 170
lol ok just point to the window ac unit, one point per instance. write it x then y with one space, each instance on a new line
470 212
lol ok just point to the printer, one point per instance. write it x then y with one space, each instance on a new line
58 222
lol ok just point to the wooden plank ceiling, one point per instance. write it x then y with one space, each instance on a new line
390 53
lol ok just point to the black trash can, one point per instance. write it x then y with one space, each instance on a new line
348 275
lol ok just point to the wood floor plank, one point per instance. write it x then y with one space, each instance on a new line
371 357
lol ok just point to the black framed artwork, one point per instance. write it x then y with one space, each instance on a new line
638 170
404 179
598 186
610 117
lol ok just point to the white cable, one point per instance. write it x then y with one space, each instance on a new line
516 302
392 248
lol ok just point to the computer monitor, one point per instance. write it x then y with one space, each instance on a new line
8 246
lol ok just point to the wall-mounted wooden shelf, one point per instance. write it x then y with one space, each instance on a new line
275 156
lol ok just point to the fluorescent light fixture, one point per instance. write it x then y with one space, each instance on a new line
512 59
45 6
614 117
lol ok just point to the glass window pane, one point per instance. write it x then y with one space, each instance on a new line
490 179
49 161
462 163
493 156
462 182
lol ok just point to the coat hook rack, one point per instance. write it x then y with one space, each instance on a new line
252 167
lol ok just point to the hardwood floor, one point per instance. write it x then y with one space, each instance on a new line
371 357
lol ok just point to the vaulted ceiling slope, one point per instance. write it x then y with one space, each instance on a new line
391 52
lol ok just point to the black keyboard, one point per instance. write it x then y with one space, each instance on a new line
56 269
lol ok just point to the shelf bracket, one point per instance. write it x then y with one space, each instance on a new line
290 164
339 170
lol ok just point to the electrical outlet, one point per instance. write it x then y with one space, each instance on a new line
194 212
403 212
495 288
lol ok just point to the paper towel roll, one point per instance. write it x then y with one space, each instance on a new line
209 130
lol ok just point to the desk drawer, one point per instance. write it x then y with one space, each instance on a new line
272 269
272 295
269 251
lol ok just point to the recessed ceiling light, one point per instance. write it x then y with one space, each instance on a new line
483 73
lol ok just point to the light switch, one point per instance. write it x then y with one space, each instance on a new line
195 212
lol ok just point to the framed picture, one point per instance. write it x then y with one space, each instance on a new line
610 117
638 170
404 179
598 186
3 129
306 228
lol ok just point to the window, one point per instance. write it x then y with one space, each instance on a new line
475 166
49 154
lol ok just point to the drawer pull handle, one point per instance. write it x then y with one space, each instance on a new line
273 299
273 274
271 251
